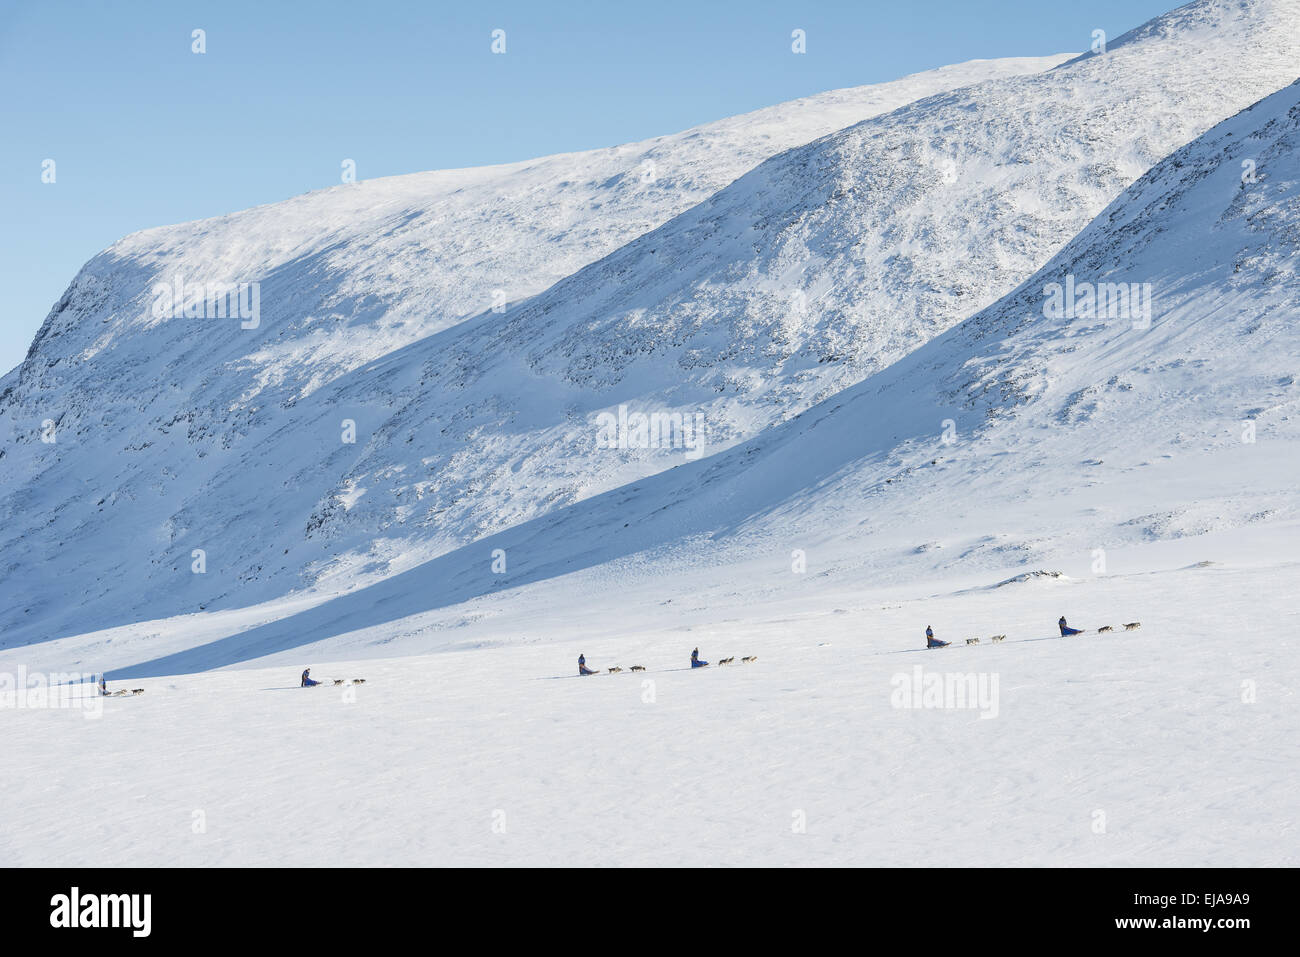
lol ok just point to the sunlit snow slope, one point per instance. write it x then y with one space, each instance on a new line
155 418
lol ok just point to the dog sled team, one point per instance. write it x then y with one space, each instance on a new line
105 693
696 662
309 682
1066 631
123 692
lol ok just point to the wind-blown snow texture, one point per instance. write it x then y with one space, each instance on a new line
1145 462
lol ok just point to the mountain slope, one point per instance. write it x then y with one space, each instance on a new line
352 272
1074 437
824 264
146 409
491 425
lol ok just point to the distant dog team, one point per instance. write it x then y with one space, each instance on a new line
697 662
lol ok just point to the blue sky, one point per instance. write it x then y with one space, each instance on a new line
144 132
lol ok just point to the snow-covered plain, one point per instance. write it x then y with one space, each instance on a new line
1171 745
1019 466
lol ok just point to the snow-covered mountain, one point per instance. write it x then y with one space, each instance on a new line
351 273
344 276
1140 387
1025 436
744 304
